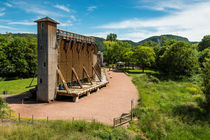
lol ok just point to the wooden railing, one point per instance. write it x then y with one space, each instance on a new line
122 120
71 35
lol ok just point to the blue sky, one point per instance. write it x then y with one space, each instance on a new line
129 19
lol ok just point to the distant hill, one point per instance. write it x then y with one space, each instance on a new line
99 40
157 39
131 42
21 35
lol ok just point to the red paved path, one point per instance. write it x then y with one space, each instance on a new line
102 106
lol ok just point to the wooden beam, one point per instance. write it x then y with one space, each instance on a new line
75 74
58 42
96 73
87 75
63 80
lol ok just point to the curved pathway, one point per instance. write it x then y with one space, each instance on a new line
104 105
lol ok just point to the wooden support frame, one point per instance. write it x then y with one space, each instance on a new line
96 73
84 70
63 80
75 74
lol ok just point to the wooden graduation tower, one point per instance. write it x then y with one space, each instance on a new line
67 63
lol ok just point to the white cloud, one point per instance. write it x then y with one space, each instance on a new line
1 14
8 4
192 22
62 7
6 27
167 5
34 8
22 23
91 8
99 34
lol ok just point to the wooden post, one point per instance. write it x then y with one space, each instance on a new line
63 80
19 117
87 75
114 122
132 101
47 119
32 119
96 73
75 74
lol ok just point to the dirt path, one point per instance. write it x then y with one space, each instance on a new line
103 106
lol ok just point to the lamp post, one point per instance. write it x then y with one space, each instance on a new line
132 101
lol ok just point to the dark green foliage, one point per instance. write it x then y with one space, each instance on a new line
99 41
204 55
131 42
145 56
205 43
206 82
111 37
18 55
178 59
1 101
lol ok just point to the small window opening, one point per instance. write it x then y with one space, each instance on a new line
40 80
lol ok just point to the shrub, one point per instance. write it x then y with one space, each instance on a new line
206 82
179 60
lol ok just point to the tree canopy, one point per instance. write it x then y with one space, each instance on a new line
178 59
205 43
145 56
111 37
206 82
18 56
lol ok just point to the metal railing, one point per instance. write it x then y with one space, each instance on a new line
71 35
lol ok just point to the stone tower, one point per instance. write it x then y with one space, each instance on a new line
47 59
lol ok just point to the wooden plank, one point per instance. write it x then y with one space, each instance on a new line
87 75
96 73
63 80
75 74
122 120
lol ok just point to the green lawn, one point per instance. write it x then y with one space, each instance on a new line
169 109
64 130
16 86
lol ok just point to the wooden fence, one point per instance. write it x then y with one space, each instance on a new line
123 119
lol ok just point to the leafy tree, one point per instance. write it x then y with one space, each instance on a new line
4 62
178 59
31 56
205 43
16 55
206 82
145 56
204 55
111 37
117 51
150 43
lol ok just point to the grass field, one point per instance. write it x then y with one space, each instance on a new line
78 130
16 86
170 109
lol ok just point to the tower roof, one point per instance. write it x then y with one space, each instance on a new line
46 19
